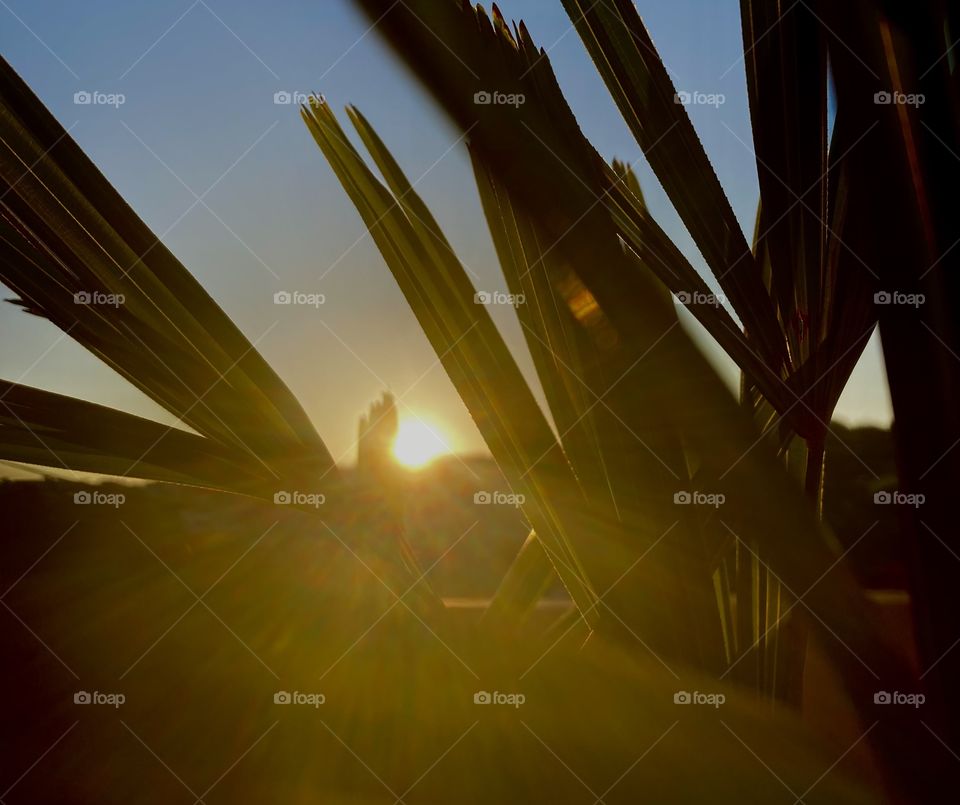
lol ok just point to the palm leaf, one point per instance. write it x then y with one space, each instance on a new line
64 232
765 511
462 334
629 63
42 428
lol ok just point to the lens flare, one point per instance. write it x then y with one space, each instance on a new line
418 442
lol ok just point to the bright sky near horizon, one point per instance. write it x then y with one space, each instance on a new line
233 184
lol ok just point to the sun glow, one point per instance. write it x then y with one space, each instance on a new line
418 443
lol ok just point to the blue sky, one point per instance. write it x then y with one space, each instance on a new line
199 119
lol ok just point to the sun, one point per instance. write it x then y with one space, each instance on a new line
418 442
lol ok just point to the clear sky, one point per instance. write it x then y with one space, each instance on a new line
199 79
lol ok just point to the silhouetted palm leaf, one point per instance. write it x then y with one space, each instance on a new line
42 428
533 159
67 236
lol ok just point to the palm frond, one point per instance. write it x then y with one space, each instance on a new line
76 254
463 336
41 428
774 532
628 61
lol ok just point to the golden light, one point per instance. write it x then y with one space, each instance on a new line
418 443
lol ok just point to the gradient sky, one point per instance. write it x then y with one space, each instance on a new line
199 80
